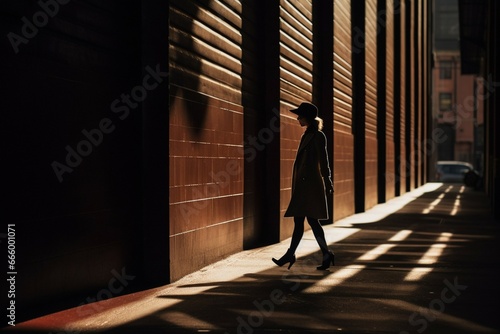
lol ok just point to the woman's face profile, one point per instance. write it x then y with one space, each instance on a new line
302 120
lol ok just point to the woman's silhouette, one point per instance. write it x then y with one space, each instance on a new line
311 181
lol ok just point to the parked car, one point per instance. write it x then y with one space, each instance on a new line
457 172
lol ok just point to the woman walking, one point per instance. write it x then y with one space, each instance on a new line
311 181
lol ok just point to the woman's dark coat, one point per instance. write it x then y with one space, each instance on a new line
310 172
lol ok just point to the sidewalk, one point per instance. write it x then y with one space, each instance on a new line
421 263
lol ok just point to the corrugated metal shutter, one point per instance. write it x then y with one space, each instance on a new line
389 61
295 52
371 67
403 84
410 97
343 153
205 48
342 67
371 153
205 132
417 79
389 100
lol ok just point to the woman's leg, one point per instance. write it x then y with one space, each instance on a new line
298 232
319 234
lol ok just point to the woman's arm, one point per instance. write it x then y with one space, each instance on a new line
324 165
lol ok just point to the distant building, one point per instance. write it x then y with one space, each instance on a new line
457 106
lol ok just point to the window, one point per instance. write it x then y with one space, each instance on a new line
445 101
445 68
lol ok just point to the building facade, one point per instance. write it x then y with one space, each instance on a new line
457 97
153 138
235 72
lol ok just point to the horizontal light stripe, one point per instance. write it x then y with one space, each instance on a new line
376 252
401 235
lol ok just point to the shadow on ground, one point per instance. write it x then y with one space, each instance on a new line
426 268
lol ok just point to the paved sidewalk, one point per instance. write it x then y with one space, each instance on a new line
421 263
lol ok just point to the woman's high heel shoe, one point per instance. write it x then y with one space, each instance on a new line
327 259
287 258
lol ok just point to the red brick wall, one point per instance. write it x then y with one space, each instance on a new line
206 135
371 105
343 159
